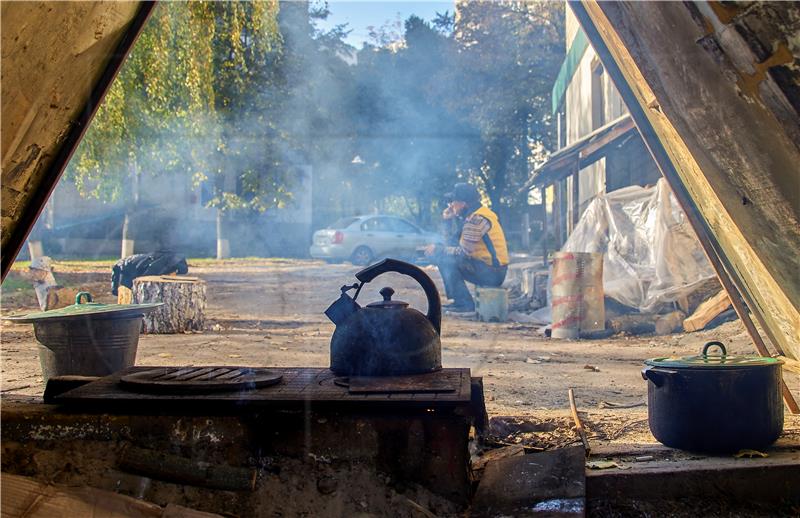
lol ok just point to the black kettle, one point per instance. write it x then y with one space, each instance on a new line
386 338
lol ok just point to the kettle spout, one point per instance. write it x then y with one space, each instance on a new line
342 308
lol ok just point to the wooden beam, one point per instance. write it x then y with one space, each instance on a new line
637 96
738 183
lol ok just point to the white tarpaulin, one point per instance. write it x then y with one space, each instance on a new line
651 256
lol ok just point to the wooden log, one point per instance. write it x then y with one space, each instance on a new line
184 301
670 323
706 312
634 324
180 470
124 295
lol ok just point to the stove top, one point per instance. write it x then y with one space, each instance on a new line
297 386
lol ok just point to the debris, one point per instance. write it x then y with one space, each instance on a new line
283 348
611 404
13 389
751 454
499 453
234 356
531 360
644 458
574 409
633 324
326 485
706 312
672 322
216 327
512 486
591 368
164 355
418 507
604 464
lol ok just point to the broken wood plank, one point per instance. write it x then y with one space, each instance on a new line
706 312
790 364
180 470
551 483
512 450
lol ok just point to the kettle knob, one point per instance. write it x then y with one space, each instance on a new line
387 293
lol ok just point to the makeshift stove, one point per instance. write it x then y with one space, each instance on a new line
125 430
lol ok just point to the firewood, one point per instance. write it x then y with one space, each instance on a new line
184 301
670 323
180 470
706 312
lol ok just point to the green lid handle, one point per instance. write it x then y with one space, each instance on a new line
712 344
83 294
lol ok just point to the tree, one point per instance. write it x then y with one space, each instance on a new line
171 108
509 53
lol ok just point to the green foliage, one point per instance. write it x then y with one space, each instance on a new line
177 101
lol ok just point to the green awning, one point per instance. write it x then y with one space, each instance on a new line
579 45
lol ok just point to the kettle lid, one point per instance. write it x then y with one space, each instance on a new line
387 302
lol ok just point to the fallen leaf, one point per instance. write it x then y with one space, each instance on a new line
750 454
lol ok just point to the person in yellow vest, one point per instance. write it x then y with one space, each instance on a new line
481 256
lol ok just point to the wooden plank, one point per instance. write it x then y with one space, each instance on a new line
707 311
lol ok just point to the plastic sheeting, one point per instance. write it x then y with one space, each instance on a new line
651 256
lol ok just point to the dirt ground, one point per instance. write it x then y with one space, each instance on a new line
270 313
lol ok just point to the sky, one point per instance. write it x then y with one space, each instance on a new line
360 14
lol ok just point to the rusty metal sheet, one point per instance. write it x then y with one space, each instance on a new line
419 383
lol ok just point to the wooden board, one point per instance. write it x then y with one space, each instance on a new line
300 385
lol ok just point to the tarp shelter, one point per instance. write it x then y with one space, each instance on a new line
713 88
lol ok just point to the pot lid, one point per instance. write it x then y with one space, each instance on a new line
387 302
85 307
705 360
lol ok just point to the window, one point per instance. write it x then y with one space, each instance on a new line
400 225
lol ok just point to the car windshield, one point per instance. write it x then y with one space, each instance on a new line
342 223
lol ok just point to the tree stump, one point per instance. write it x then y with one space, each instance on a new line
184 301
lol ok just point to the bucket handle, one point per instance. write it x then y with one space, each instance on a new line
712 344
83 294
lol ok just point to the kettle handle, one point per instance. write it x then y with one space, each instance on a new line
393 265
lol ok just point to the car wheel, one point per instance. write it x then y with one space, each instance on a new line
362 256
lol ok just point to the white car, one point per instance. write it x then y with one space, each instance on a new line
363 239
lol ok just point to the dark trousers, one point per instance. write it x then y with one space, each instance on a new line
456 269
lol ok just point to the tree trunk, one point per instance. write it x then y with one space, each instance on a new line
223 245
184 301
127 243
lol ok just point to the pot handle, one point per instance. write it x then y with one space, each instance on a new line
712 344
393 265
656 375
82 295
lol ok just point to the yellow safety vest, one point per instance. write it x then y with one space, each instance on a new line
495 237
